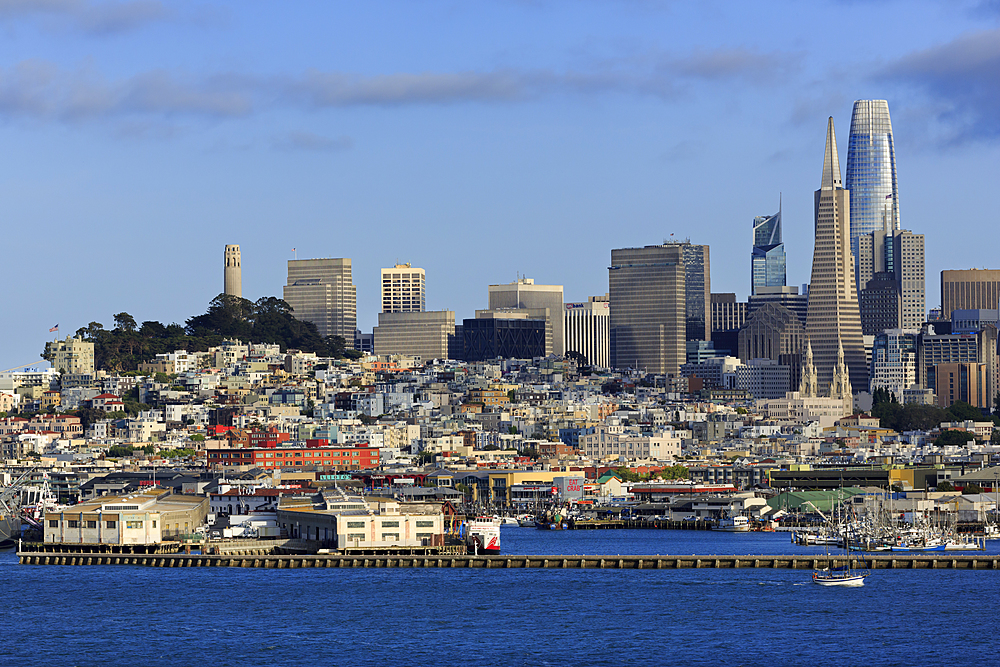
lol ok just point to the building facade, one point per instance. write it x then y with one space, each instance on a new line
232 279
427 335
73 356
587 329
503 335
774 332
969 289
871 173
833 319
648 315
767 260
322 291
403 289
526 295
894 361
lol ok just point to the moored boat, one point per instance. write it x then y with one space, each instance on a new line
483 535
734 524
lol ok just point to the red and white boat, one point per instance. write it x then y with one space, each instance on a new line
483 535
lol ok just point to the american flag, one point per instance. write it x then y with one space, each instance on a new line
55 328
889 196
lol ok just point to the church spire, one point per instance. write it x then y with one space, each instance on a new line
831 163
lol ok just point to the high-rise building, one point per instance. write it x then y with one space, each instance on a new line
425 334
969 289
517 334
697 291
899 255
881 304
774 332
232 278
586 326
525 294
894 361
788 297
648 314
871 174
832 319
403 290
935 349
322 291
767 261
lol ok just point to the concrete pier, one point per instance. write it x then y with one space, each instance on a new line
940 561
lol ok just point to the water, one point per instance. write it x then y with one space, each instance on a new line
117 615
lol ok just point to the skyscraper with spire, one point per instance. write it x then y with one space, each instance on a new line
832 319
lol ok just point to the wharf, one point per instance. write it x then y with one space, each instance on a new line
288 561
612 524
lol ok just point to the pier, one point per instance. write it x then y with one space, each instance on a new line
290 561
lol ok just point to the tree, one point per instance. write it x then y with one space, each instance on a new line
945 486
953 437
125 322
970 489
962 411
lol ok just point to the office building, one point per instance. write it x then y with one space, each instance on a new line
697 291
774 332
767 261
967 382
881 304
833 321
969 289
894 361
935 349
898 255
416 334
587 330
232 279
647 304
763 378
403 290
525 294
871 174
787 297
496 334
971 321
322 291
727 312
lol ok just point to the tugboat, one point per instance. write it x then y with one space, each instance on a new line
483 535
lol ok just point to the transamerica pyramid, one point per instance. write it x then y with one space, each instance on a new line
832 318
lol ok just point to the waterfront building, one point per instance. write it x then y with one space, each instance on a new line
73 356
403 289
587 330
322 291
871 173
232 279
894 361
659 297
524 294
833 319
147 517
427 334
969 289
767 261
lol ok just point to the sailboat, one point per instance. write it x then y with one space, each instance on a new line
841 576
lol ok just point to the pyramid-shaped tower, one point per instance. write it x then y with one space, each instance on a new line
833 318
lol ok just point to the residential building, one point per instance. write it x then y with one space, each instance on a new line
232 283
73 355
316 453
403 289
833 320
764 378
524 294
587 328
322 291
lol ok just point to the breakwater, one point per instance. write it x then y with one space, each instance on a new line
287 561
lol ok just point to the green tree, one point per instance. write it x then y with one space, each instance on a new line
962 411
970 489
953 437
945 486
125 322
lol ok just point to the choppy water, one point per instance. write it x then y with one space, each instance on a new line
233 616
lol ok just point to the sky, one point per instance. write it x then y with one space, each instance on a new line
481 141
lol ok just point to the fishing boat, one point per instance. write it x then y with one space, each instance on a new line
483 535
734 524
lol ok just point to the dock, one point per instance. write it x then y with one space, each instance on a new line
632 562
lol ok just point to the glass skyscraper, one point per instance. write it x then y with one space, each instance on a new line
767 264
871 173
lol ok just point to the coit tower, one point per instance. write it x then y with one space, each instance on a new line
233 278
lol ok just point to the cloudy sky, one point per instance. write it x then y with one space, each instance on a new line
478 140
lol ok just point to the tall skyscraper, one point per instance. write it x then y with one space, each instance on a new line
322 291
871 173
647 302
832 318
232 279
697 291
767 262
403 290
525 294
586 327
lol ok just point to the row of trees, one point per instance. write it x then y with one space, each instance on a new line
267 320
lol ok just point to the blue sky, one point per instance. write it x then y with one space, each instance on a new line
478 140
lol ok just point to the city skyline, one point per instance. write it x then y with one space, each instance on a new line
573 129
